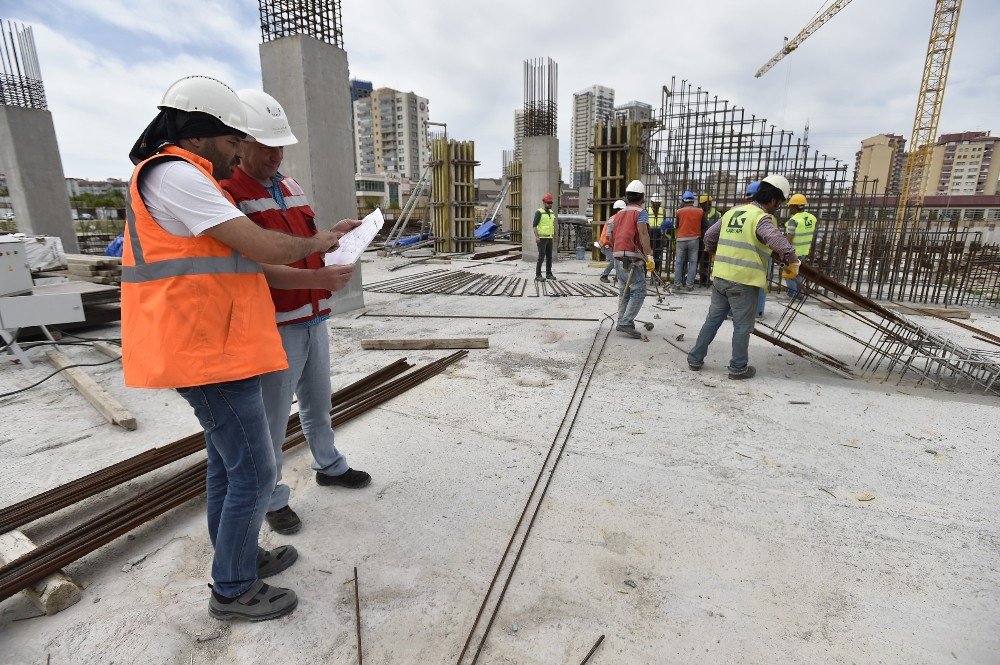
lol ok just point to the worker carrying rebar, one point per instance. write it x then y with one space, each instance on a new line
656 233
197 317
605 241
799 230
302 305
630 240
544 226
686 249
742 242
711 216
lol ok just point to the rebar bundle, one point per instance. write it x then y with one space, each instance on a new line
189 483
460 283
316 18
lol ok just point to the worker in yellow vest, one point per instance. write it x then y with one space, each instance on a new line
799 230
657 237
742 242
544 226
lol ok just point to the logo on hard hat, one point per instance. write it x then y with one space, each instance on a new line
274 113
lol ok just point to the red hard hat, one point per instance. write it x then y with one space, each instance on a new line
547 198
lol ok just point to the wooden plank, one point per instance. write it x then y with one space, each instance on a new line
107 405
53 593
109 350
918 310
93 258
425 344
492 253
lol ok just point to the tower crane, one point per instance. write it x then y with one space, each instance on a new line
937 62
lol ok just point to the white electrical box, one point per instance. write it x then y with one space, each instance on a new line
15 276
25 311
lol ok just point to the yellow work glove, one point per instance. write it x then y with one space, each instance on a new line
649 264
791 271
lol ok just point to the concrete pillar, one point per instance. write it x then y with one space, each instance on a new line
29 155
539 174
309 78
586 193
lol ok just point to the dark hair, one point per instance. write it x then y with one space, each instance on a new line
767 193
633 197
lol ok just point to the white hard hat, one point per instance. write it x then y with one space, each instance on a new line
207 95
635 187
618 205
780 182
266 121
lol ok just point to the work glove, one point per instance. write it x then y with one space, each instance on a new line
649 264
791 271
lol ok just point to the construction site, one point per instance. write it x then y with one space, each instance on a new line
545 487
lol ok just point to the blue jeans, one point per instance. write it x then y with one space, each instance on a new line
240 476
308 377
762 298
630 299
610 256
795 287
686 255
740 299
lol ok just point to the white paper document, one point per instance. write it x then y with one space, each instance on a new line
354 243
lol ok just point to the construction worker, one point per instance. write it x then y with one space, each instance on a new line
710 216
544 226
762 296
742 242
799 230
197 317
605 241
688 233
630 240
275 201
656 235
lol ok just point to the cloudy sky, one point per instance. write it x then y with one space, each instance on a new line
106 62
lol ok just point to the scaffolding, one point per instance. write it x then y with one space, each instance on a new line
453 195
20 76
315 18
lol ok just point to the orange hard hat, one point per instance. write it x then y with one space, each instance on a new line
547 198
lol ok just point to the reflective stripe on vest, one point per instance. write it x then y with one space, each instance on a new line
305 312
251 206
546 223
741 257
805 228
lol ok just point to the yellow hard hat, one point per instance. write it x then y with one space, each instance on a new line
704 198
798 200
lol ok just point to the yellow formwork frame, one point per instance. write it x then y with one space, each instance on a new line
453 195
514 206
618 154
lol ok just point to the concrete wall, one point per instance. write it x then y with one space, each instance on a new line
29 155
540 174
310 79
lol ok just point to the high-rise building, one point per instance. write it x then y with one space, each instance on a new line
591 104
518 134
635 111
964 164
390 133
360 89
881 158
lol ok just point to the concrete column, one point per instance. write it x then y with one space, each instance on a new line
310 79
539 174
29 155
586 193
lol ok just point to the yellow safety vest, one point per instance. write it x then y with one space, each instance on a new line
805 228
655 218
546 223
741 257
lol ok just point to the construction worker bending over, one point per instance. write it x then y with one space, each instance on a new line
799 230
605 241
544 226
197 317
275 201
711 216
630 239
688 232
742 241
656 235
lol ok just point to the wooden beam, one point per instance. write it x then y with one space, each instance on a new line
426 344
107 405
53 593
490 254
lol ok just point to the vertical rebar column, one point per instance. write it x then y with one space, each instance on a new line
20 76
541 78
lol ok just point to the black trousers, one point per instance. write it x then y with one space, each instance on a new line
544 252
656 240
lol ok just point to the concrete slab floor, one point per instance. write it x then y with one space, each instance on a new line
703 493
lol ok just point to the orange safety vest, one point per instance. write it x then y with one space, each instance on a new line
604 242
194 311
625 233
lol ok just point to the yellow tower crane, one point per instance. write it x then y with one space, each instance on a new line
929 100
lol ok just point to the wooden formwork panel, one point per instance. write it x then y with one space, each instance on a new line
453 194
514 207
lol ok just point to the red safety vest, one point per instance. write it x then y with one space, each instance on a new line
625 233
291 305
194 311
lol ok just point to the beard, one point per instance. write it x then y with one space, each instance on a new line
222 164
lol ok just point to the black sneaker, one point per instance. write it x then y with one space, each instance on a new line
549 276
351 479
694 368
270 563
539 278
604 278
260 603
283 521
750 372
629 331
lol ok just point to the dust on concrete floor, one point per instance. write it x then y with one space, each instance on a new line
702 492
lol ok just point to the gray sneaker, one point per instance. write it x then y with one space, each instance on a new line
749 373
629 331
260 602
270 563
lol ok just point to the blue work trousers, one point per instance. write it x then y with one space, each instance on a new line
728 297
632 282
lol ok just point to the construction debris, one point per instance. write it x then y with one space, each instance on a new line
425 344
